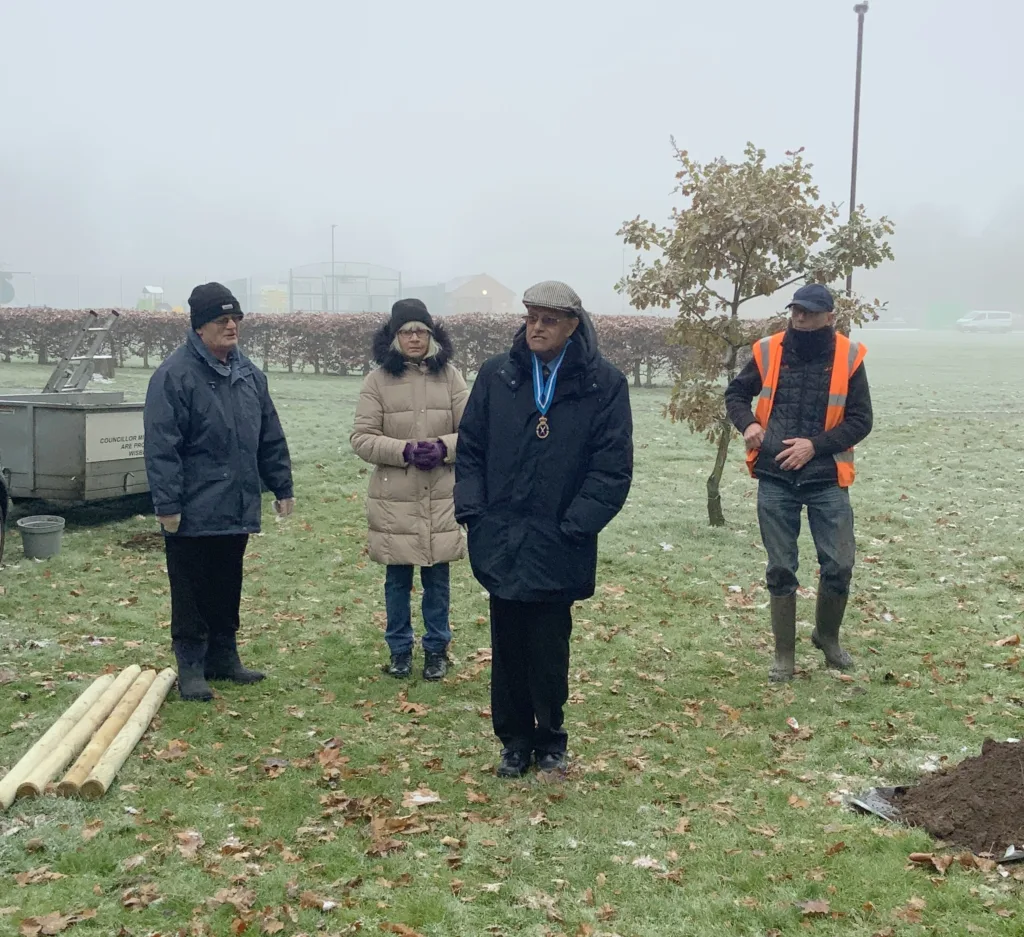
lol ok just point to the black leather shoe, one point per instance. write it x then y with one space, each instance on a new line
435 665
400 666
552 761
514 763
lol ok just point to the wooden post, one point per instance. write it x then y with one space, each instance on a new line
116 755
105 735
72 743
71 716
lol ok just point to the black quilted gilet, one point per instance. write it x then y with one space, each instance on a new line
799 409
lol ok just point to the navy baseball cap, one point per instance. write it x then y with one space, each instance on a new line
814 298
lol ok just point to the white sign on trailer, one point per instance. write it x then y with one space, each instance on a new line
113 435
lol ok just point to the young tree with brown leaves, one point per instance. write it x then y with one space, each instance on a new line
746 229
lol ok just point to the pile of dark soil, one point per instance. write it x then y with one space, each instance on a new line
977 803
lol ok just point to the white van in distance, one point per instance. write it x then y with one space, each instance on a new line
985 321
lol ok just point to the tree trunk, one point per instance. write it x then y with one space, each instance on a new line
636 373
716 518
650 375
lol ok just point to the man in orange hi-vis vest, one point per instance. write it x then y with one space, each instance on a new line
813 406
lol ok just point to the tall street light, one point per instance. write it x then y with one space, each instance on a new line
860 9
334 294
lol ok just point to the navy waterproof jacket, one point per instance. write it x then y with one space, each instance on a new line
211 436
534 507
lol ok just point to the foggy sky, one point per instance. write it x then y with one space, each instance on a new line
215 138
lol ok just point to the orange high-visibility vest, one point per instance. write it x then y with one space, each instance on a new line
849 356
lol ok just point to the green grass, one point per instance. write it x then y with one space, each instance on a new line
671 718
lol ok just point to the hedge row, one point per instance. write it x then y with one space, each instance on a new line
327 343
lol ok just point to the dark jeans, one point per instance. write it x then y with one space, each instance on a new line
530 674
436 594
779 507
205 575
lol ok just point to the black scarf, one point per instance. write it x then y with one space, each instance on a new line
810 345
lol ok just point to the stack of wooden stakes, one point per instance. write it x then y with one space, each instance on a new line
100 729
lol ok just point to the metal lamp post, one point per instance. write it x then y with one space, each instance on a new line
860 9
334 298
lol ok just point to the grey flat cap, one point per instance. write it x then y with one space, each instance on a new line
553 294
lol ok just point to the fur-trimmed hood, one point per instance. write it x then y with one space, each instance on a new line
392 362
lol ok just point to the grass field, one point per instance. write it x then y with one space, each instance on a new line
691 806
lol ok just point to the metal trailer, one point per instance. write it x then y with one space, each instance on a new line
69 444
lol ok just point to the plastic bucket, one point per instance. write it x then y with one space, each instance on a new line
41 535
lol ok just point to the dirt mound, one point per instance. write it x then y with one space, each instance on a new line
976 803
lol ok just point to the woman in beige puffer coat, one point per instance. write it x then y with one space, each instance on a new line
406 425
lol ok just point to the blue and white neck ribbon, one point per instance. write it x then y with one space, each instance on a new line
544 391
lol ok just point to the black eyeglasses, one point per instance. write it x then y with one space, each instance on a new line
549 322
224 320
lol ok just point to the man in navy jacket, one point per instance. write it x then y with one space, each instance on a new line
212 436
545 461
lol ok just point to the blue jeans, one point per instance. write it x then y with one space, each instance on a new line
779 508
436 593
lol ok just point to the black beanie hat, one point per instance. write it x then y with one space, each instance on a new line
409 310
211 301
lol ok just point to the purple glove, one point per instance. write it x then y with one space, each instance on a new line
429 455
407 452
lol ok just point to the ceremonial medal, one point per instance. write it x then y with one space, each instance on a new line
544 391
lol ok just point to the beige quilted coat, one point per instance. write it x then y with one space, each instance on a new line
411 513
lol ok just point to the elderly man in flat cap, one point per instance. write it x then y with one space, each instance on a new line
545 461
212 437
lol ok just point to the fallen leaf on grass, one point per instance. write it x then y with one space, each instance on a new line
797 802
385 847
941 863
420 797
91 829
189 843
401 929
814 908
1010 641
912 912
133 862
413 709
39 876
270 925
835 848
274 767
491 888
310 899
241 899
54 922
176 749
683 826
7 676
135 899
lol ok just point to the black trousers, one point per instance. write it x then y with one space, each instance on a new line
530 673
205 574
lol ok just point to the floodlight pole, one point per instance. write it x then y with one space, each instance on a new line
860 9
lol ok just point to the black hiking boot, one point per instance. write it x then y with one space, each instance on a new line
783 609
552 761
825 637
514 763
435 665
192 684
400 666
223 663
